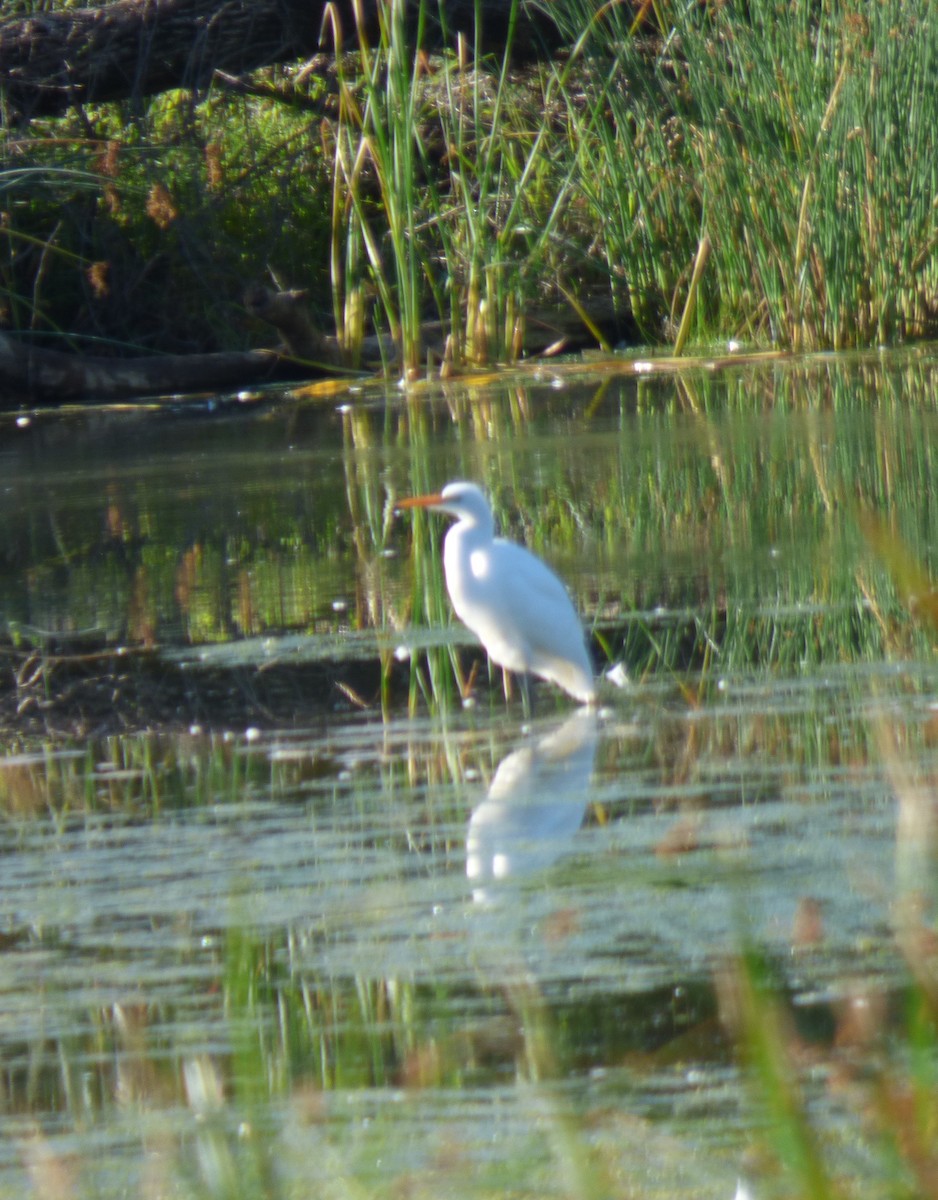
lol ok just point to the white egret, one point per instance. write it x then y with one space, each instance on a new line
513 602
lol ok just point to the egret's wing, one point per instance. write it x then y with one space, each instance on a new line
531 593
536 613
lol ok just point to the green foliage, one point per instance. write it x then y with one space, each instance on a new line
147 229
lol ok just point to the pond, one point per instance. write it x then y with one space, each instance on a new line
283 913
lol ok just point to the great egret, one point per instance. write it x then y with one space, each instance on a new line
513 602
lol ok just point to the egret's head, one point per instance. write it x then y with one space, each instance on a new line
464 500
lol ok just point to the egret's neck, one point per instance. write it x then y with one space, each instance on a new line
468 535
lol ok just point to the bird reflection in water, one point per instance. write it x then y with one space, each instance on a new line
534 806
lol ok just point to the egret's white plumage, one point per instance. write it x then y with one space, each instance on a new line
513 602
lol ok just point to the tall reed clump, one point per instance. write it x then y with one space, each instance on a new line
444 202
798 143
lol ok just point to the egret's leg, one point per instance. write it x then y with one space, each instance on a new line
526 694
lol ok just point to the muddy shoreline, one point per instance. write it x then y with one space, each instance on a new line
96 691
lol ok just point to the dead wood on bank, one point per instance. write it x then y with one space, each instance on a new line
33 375
131 49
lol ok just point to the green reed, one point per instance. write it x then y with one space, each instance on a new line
799 144
446 196
500 203
374 169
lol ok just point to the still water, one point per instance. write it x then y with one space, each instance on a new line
373 939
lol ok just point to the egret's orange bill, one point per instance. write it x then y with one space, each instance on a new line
420 501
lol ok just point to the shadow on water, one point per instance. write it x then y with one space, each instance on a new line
280 913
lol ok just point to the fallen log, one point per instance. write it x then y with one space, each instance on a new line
50 61
31 374
130 49
34 375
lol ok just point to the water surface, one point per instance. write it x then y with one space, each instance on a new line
317 949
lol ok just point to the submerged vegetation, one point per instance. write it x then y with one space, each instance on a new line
259 971
682 172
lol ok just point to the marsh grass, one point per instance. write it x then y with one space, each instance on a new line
501 205
798 145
